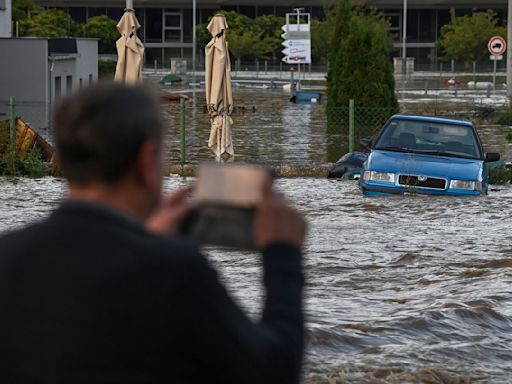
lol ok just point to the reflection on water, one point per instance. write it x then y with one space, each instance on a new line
394 284
269 129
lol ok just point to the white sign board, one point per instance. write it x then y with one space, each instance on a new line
496 58
297 41
497 46
297 51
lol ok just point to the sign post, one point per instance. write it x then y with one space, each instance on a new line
497 47
297 39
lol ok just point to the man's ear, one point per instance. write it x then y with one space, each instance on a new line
147 167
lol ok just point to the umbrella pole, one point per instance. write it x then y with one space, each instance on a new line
219 140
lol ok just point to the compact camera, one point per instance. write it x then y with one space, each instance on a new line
226 197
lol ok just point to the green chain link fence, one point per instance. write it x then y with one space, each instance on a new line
347 125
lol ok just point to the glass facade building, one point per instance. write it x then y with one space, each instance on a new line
167 30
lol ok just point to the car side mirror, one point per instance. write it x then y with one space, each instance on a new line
367 143
491 156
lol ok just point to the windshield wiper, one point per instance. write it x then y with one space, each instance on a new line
396 149
447 154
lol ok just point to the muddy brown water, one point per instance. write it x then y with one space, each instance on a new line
269 129
399 289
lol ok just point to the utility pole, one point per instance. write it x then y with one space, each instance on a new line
404 40
194 41
509 51
129 4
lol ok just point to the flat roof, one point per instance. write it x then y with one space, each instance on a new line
281 3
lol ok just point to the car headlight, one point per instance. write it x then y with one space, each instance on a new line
466 184
379 176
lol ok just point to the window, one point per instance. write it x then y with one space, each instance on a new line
152 55
187 25
90 79
172 27
81 82
154 25
412 26
173 35
79 14
173 20
58 87
248 11
427 25
96 11
69 84
266 11
115 13
140 14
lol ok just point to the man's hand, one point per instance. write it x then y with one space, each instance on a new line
277 222
170 214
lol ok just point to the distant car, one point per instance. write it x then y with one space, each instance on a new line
426 155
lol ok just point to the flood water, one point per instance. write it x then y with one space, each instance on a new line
269 129
396 286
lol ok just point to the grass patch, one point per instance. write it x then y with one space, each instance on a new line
504 118
500 175
30 165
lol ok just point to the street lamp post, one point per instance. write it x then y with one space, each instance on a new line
194 21
129 4
404 40
509 51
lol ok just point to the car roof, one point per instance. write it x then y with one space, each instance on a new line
432 119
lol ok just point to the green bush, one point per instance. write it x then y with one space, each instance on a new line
106 67
504 118
500 176
31 165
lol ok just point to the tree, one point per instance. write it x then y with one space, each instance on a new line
50 23
103 28
247 38
359 66
359 69
465 38
321 37
22 9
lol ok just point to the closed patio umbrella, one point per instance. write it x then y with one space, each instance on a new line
219 97
130 50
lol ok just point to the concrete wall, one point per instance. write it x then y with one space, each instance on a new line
38 81
24 69
87 64
23 74
5 18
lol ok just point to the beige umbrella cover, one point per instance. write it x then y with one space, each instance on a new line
130 50
219 97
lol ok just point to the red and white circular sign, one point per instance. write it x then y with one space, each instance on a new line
497 45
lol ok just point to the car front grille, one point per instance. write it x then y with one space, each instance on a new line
413 181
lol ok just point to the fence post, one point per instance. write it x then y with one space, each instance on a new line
12 133
12 119
182 131
351 125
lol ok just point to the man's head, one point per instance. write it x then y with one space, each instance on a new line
110 136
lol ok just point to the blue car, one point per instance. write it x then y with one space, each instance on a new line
426 155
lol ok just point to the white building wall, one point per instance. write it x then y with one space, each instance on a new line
5 18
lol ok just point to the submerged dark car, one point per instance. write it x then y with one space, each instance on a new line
427 155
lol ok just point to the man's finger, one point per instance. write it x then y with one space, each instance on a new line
176 197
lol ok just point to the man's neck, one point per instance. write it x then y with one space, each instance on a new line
120 197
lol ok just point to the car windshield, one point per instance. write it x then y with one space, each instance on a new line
430 138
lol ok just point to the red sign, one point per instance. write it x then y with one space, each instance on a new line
497 46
